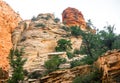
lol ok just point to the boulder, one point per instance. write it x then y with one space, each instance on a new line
73 17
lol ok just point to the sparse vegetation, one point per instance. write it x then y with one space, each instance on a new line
25 26
3 74
57 20
46 18
33 18
75 63
92 77
40 25
76 51
53 63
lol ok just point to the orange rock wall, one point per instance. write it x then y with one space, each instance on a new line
109 65
73 17
8 21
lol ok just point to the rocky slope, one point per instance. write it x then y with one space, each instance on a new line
66 76
109 65
39 38
8 21
73 17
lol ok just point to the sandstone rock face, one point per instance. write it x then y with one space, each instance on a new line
8 21
39 38
109 64
66 76
73 17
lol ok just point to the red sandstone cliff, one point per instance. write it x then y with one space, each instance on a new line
73 17
8 21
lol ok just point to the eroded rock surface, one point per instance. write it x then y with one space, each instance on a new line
73 17
67 75
39 38
9 19
109 65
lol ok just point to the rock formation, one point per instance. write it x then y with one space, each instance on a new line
73 17
8 21
39 38
66 76
109 65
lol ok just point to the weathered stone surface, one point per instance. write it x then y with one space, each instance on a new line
8 21
73 17
64 66
39 37
65 76
109 65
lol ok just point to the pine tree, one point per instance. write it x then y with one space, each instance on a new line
16 62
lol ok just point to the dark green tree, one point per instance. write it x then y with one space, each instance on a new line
108 37
63 45
75 31
16 62
96 43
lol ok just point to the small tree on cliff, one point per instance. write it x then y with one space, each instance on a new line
16 62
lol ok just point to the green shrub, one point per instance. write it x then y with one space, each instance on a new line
75 63
53 63
33 18
75 31
34 75
65 28
25 26
46 18
63 45
40 25
70 55
57 20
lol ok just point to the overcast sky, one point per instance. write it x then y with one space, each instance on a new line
101 12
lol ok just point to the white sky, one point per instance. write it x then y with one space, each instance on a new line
100 12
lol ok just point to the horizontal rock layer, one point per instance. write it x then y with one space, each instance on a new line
66 76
